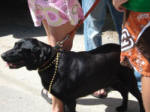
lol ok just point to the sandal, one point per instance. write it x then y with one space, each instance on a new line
46 96
102 93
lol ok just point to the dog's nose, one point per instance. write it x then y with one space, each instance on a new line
3 56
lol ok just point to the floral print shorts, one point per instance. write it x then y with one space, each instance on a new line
134 27
55 12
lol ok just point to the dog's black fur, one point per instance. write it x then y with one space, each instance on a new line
79 73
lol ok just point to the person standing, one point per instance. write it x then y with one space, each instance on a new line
135 42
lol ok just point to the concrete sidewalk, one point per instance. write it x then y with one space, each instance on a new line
20 89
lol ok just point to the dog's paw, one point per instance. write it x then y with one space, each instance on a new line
121 108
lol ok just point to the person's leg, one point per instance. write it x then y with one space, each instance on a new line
54 35
93 24
57 105
117 18
146 93
93 29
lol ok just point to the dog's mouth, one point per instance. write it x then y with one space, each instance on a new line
15 65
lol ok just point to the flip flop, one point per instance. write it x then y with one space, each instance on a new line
99 94
46 96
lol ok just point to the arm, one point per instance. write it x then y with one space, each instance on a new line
118 4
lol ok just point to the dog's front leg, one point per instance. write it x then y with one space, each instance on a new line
70 106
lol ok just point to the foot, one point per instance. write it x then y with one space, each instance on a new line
102 93
46 96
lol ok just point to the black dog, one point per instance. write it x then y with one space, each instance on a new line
69 75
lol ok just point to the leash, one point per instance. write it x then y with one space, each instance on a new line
59 44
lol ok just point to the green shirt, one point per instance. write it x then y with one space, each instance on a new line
138 5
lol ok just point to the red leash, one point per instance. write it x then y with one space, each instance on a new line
60 43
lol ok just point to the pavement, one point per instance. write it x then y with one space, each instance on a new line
20 90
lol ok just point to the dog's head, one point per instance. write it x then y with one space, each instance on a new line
27 52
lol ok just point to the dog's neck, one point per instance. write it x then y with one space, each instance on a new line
54 64
51 55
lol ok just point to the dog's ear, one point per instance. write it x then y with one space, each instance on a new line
39 53
30 50
35 53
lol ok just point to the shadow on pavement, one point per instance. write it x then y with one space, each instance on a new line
111 103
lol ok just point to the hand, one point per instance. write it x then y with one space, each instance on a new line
118 4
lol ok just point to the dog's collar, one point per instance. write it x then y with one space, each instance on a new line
55 61
49 62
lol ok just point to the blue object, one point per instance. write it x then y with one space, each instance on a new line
94 22
138 78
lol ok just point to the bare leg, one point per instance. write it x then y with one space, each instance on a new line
56 34
146 93
57 105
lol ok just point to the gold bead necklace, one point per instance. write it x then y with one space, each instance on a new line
54 75
55 71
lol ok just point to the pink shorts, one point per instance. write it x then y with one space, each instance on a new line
55 12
